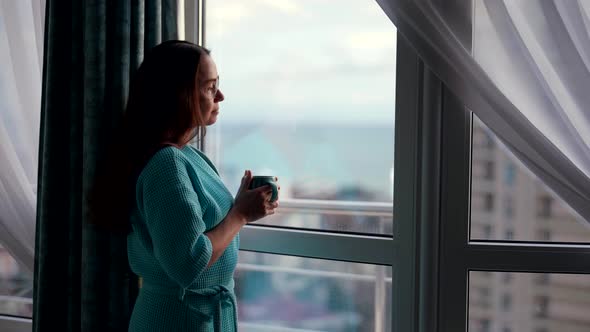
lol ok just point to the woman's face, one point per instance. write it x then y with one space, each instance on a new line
209 94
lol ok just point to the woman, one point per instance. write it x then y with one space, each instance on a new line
184 223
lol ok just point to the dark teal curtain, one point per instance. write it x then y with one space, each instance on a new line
82 278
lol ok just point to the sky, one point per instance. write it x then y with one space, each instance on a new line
303 61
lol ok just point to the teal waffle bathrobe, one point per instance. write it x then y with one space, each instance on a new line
179 197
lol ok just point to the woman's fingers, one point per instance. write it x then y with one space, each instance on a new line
245 181
271 207
264 188
264 192
242 183
274 204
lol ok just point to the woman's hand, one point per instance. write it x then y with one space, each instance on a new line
249 206
253 204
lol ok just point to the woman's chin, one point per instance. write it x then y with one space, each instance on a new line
212 118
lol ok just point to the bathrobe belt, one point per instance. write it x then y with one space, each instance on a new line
216 295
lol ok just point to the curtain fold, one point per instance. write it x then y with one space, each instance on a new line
169 26
20 96
522 72
82 278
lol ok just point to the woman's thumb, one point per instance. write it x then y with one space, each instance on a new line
245 181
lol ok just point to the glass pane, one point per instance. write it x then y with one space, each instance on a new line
508 202
16 288
277 292
537 302
21 71
309 97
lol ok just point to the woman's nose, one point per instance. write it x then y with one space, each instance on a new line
219 97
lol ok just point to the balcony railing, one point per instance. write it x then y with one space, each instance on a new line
356 208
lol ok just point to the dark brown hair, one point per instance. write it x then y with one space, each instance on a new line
162 108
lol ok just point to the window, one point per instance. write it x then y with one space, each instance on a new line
16 288
542 278
509 234
541 308
544 206
508 207
313 192
480 297
552 296
531 208
562 307
510 173
311 102
487 231
310 98
483 202
489 170
506 302
484 325
545 234
21 57
311 294
484 169
482 139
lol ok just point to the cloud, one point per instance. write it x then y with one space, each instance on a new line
275 57
226 16
228 12
285 6
371 40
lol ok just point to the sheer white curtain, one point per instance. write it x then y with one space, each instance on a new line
21 57
526 75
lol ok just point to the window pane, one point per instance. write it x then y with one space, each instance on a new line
309 97
506 301
276 291
508 202
16 288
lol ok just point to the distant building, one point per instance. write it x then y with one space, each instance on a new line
508 203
